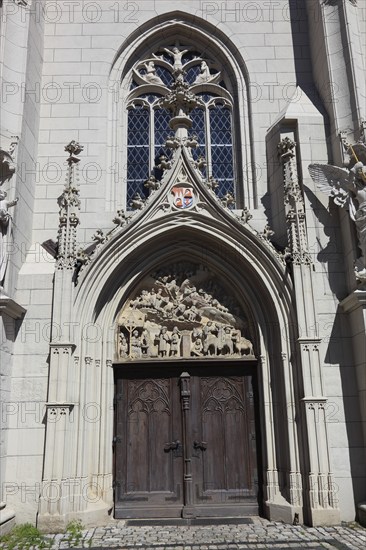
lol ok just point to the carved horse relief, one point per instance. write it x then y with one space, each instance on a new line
182 311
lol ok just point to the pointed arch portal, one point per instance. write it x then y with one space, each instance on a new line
186 389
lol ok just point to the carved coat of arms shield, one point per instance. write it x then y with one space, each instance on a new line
182 197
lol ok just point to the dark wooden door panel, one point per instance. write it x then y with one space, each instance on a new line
224 469
149 467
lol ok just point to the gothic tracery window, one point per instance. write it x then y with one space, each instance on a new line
148 118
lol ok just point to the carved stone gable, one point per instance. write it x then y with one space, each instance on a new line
182 311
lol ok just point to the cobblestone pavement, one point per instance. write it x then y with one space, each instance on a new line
259 534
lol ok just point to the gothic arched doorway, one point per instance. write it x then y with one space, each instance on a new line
186 392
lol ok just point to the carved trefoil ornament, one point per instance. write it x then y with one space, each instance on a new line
183 311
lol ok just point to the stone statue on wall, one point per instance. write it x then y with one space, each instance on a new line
177 55
205 75
150 75
145 70
347 187
182 311
5 217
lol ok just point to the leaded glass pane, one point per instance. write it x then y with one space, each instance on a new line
137 151
164 74
162 128
220 123
222 149
191 54
138 126
151 98
192 74
162 131
206 97
199 129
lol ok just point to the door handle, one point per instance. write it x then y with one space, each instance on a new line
202 445
172 446
175 446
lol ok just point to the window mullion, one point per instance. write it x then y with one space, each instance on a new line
208 143
152 139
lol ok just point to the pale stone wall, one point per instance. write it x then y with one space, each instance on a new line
21 70
287 68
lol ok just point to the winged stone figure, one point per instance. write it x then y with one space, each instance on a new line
348 188
4 232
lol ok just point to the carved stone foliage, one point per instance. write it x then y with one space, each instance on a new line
182 311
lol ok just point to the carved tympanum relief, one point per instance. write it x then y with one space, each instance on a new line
182 311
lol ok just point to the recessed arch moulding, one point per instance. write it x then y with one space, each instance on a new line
244 268
213 46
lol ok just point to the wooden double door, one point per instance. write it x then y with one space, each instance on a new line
185 442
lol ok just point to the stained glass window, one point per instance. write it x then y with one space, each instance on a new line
148 130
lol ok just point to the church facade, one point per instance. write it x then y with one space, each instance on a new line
183 260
